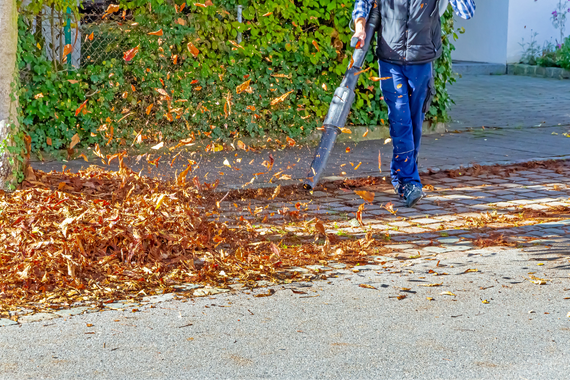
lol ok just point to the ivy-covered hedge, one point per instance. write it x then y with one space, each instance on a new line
182 69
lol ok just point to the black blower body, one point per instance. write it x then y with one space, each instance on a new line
341 102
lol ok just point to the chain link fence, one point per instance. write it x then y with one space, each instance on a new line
102 39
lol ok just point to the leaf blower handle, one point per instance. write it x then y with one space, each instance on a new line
354 42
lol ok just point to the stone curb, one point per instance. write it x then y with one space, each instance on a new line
380 132
538 71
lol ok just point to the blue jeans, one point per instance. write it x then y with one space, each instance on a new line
405 93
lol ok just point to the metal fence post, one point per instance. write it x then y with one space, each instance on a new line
68 35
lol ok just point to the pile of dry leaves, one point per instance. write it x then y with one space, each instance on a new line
101 235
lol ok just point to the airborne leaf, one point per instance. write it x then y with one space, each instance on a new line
281 98
366 195
130 54
242 87
193 49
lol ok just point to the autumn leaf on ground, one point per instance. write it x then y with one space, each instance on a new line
485 301
227 163
320 227
538 281
366 195
270 292
157 33
74 141
366 286
281 98
80 108
241 88
160 201
345 130
193 49
431 285
241 145
365 133
291 142
130 54
48 141
158 146
447 293
471 270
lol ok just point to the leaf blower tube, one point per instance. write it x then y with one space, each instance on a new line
341 103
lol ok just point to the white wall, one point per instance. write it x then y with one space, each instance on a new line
527 15
486 35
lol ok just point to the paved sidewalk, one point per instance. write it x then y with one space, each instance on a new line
509 101
439 152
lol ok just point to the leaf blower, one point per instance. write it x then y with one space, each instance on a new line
342 102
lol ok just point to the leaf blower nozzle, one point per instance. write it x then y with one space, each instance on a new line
321 156
341 102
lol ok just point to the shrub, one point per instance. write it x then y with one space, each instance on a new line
190 77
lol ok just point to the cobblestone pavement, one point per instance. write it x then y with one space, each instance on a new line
509 101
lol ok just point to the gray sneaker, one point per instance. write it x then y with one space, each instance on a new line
412 194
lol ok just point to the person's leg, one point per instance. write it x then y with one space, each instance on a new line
396 95
419 77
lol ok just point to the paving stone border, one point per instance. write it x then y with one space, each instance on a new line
538 71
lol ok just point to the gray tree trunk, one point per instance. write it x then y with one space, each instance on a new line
8 107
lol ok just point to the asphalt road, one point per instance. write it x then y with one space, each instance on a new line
338 329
